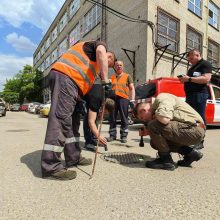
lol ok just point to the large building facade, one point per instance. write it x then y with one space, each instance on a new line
148 49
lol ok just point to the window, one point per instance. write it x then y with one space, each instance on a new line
213 53
42 50
54 34
47 44
63 21
167 32
217 93
47 62
74 6
74 35
193 40
62 47
195 6
54 55
92 18
213 15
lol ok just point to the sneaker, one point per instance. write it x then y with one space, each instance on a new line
110 139
164 161
194 155
90 147
123 140
84 161
63 174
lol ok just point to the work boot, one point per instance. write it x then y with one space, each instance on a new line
194 155
164 161
90 147
110 139
124 140
63 174
84 161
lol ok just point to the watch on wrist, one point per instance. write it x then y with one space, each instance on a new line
190 79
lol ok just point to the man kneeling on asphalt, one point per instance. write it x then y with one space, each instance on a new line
173 126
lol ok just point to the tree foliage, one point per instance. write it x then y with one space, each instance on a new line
24 86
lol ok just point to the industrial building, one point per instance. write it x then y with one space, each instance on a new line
150 36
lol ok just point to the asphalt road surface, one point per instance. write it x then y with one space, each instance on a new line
116 191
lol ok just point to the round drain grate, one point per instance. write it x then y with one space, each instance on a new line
18 130
123 157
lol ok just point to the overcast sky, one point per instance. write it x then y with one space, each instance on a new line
22 26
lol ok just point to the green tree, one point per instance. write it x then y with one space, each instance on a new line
25 84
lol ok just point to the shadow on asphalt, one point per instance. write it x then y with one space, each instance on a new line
33 162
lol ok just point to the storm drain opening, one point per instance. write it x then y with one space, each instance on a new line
124 157
18 130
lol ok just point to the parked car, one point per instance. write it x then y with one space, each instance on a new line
24 107
32 106
172 85
15 107
2 107
44 111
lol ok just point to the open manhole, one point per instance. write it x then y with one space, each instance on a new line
18 130
123 157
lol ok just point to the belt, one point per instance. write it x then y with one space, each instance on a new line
201 125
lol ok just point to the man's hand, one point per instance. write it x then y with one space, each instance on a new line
132 104
102 140
107 86
184 79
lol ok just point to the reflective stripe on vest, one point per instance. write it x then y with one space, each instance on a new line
119 84
76 64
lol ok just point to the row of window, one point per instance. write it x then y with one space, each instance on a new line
90 20
168 34
195 6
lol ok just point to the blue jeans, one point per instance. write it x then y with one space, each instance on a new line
198 102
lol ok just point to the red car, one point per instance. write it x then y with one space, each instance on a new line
24 107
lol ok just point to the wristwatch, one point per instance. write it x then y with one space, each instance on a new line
190 79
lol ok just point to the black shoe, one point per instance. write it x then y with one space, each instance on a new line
90 147
199 146
110 139
124 140
63 174
164 161
194 155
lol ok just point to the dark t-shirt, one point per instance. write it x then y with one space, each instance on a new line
90 48
95 96
199 69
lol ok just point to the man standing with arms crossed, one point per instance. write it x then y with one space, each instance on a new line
71 77
123 85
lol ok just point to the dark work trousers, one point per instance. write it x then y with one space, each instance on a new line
88 135
198 102
62 133
174 136
121 106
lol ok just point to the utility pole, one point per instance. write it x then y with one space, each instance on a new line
104 22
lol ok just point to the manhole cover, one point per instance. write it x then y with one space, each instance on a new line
123 157
18 130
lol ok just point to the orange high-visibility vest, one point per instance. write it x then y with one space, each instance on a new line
76 64
119 84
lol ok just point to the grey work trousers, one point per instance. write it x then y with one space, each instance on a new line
175 135
62 133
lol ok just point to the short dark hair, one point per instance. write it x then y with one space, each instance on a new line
192 51
109 105
135 110
114 56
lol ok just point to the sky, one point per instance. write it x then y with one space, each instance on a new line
23 24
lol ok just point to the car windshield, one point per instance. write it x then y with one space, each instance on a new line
145 90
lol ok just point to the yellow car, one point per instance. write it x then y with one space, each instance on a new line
44 111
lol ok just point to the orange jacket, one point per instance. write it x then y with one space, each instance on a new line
76 64
119 84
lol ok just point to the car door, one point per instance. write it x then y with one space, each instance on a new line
216 91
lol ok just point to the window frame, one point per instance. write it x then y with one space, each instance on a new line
210 41
188 27
170 17
211 2
194 4
76 4
77 29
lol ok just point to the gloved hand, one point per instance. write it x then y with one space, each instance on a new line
132 104
107 86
